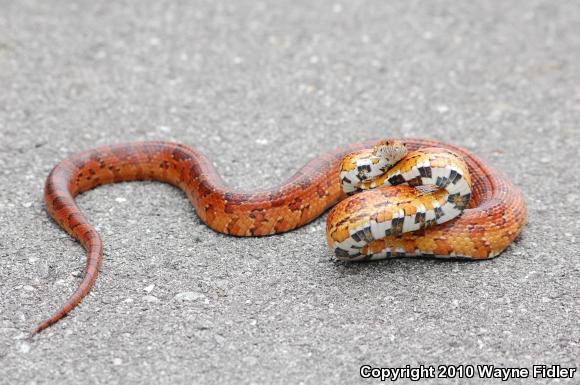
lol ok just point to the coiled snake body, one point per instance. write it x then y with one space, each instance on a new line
494 213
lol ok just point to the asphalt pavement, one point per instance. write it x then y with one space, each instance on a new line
260 88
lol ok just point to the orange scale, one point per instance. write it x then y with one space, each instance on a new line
481 252
462 246
340 234
365 250
409 246
409 209
376 246
384 215
442 247
426 244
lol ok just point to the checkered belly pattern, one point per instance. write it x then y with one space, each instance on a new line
425 188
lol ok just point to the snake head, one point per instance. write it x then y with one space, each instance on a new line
390 150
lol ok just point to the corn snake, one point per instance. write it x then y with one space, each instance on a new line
494 216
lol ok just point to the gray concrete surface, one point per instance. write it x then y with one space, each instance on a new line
268 86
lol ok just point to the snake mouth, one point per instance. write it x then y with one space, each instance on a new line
390 150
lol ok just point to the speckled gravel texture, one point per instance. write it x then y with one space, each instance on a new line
260 88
